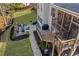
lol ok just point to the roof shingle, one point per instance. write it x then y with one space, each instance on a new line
70 6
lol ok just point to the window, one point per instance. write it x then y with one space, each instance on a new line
63 24
58 27
53 12
64 34
53 17
40 19
41 9
66 22
73 31
54 22
59 18
76 20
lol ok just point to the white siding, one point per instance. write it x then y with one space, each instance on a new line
44 12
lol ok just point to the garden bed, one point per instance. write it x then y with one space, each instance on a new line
14 37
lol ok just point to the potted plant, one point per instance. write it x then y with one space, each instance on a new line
46 52
34 23
42 45
43 48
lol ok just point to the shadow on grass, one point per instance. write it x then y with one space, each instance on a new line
20 37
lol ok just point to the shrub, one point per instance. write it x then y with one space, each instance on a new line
34 23
42 44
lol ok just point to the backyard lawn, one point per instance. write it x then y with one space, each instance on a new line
21 47
25 16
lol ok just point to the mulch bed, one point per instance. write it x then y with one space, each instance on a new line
17 37
37 38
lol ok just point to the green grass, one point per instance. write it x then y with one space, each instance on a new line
21 47
25 16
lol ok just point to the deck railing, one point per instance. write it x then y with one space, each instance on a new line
41 32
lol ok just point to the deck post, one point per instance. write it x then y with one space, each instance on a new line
53 49
46 44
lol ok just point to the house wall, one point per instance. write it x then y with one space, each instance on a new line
40 14
44 13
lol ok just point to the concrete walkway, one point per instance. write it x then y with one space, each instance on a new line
34 45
